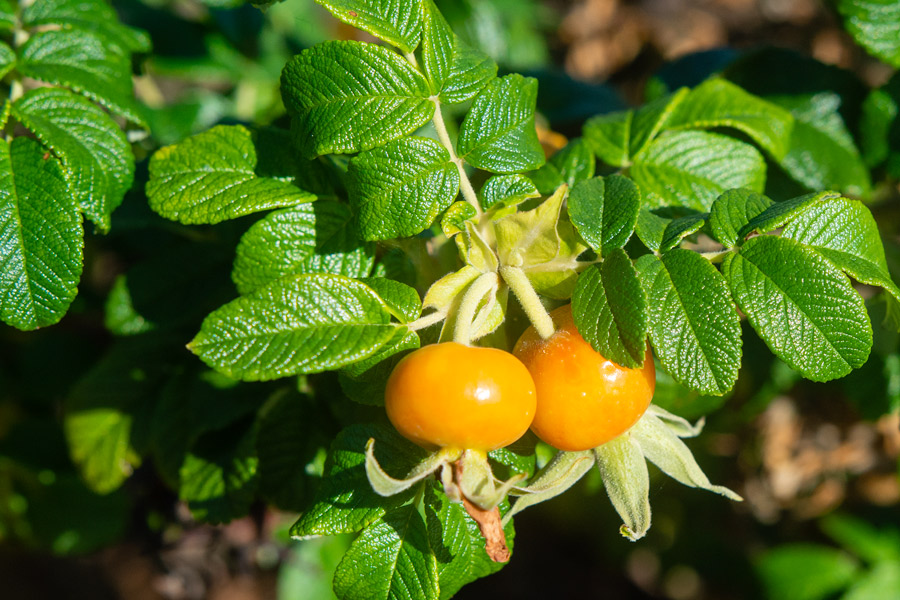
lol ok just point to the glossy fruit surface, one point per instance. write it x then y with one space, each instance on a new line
465 397
583 399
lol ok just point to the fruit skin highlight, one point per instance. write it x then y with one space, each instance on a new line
450 395
583 399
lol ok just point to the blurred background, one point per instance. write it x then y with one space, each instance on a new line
817 464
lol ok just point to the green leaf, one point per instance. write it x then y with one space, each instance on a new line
845 233
498 133
627 482
608 136
212 177
875 24
693 324
219 475
95 154
572 164
398 22
605 211
779 214
300 324
455 70
805 572
457 543
822 153
878 584
402 300
7 59
801 305
661 233
399 189
85 62
501 191
345 502
732 211
529 238
40 237
720 103
649 120
880 127
95 16
610 310
692 168
337 83
864 539
7 15
318 237
390 559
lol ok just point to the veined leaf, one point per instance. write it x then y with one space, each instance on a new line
40 237
456 71
391 559
7 15
211 177
338 83
457 543
317 237
96 156
219 474
399 189
693 324
570 165
845 232
95 16
301 324
345 501
398 22
7 59
732 211
649 120
805 572
609 137
692 168
605 211
498 133
720 103
801 305
661 233
610 310
779 214
85 62
402 300
506 190
875 24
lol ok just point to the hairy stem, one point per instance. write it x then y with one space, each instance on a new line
465 185
518 282
427 321
485 284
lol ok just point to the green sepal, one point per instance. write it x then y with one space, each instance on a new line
385 485
563 471
627 481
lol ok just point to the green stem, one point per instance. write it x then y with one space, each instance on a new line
465 315
716 256
465 185
518 282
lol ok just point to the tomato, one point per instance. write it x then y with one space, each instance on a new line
583 399
462 397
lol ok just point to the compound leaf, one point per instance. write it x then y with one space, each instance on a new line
604 210
498 133
95 154
399 189
720 103
316 237
391 559
300 324
693 324
398 22
340 83
801 305
692 168
40 237
610 310
211 177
